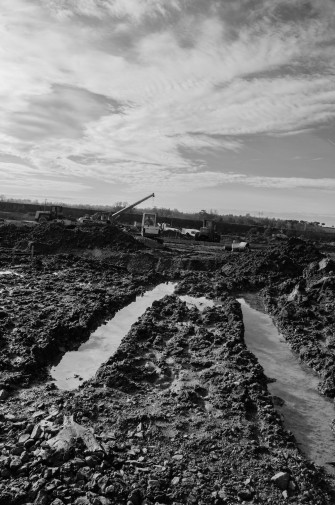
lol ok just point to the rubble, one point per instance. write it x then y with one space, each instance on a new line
180 414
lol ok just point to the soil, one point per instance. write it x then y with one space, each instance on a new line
181 413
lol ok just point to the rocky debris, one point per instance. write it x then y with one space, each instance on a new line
281 480
181 413
52 309
63 443
304 311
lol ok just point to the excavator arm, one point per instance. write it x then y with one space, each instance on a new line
125 209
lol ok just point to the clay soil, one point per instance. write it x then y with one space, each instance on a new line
181 413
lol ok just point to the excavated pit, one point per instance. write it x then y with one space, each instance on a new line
306 413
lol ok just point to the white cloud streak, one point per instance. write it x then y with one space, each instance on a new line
196 97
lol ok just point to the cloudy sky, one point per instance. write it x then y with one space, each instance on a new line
211 104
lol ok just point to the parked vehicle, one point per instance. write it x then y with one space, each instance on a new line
54 213
207 232
150 228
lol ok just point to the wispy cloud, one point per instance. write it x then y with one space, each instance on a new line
117 89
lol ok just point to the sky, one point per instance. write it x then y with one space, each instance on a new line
225 105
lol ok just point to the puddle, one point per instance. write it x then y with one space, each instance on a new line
306 414
76 366
200 303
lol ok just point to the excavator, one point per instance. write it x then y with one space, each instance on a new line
107 217
116 215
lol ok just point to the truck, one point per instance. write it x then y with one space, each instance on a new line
207 232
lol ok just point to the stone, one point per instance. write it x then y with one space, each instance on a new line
135 497
245 494
23 438
38 414
15 463
24 456
101 500
175 481
42 498
281 480
36 433
82 500
3 394
10 417
16 451
29 443
292 486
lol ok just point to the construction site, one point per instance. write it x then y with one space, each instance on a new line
138 367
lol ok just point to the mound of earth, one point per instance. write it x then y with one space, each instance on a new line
55 238
11 234
258 268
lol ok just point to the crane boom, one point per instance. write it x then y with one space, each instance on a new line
121 211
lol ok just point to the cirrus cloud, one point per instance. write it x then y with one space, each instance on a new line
147 89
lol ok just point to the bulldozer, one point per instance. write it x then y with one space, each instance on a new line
55 212
207 232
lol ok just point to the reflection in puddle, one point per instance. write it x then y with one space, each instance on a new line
306 413
200 303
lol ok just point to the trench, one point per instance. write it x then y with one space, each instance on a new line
305 413
82 364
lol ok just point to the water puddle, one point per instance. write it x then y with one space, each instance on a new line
306 414
201 303
76 366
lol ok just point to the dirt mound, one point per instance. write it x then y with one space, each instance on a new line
10 234
256 268
55 238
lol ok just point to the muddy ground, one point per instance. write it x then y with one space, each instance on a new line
181 413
